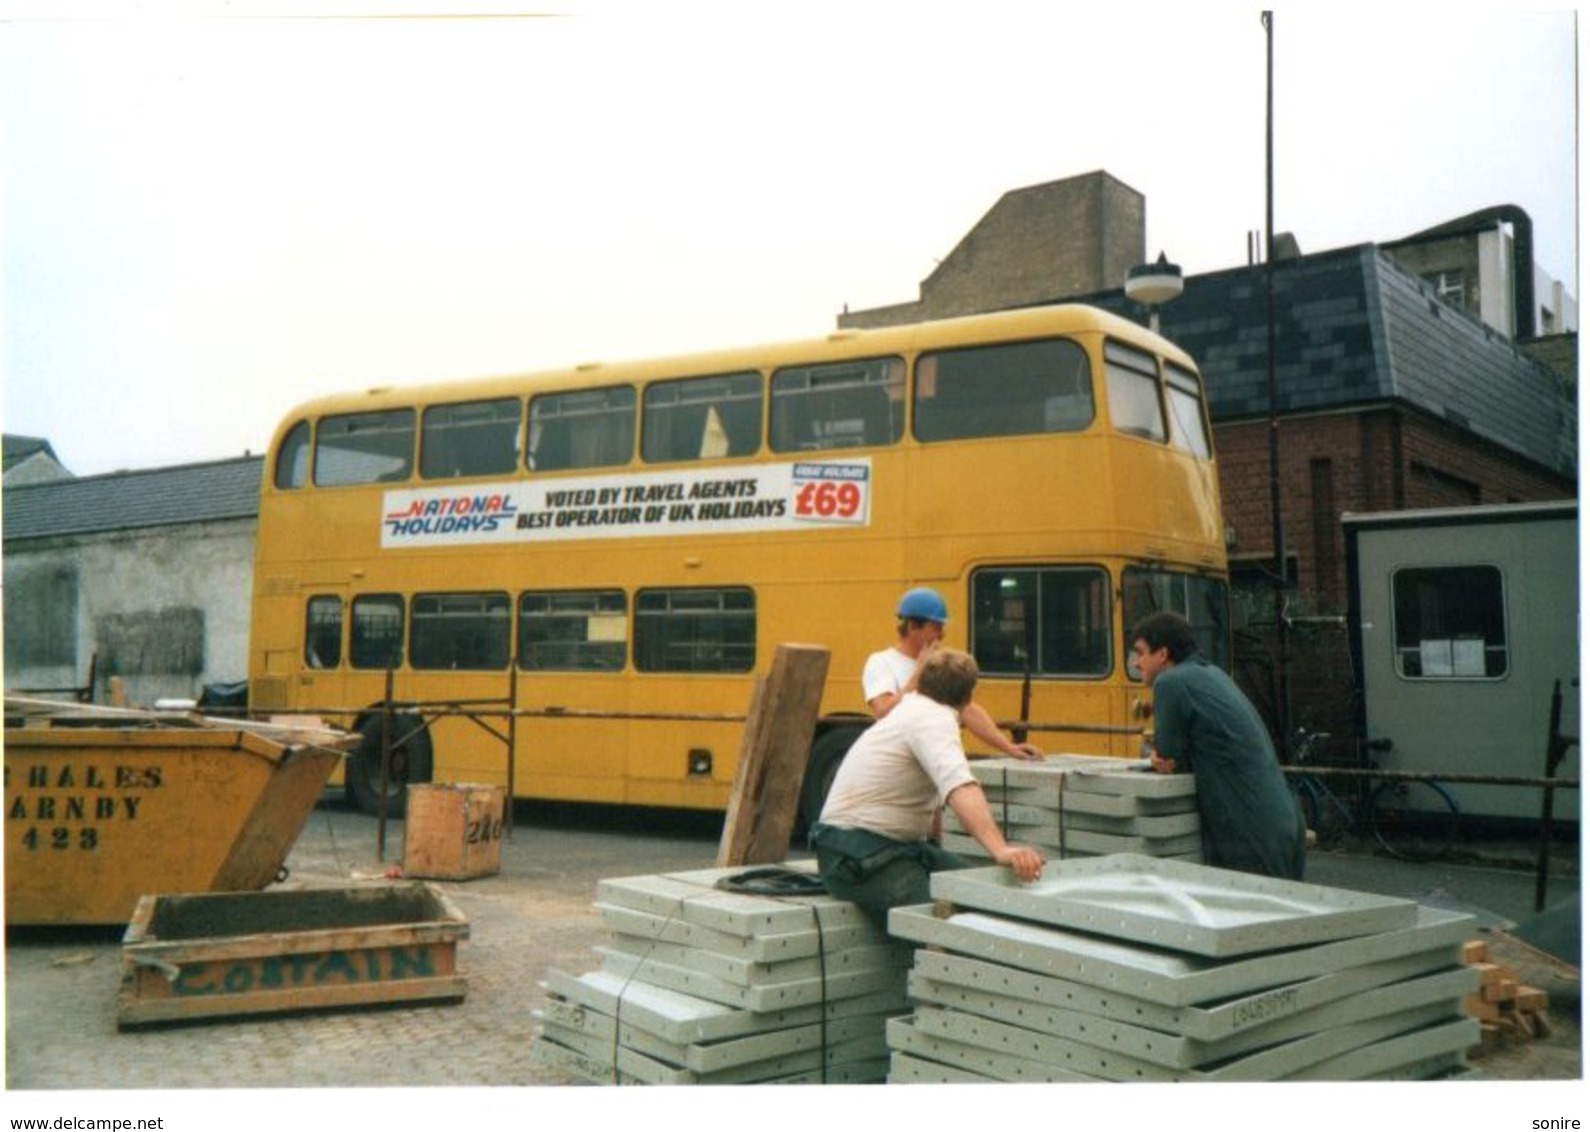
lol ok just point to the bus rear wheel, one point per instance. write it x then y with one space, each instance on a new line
828 752
411 762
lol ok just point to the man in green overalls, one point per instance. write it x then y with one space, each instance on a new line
1205 726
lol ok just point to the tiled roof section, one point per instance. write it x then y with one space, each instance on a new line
158 497
1458 368
14 449
1352 328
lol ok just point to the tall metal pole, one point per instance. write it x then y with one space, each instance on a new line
1283 691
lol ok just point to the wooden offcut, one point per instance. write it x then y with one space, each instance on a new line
453 831
773 752
1506 1008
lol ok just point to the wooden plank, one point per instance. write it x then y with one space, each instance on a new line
1476 951
773 752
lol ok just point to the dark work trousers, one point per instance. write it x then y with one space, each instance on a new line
877 872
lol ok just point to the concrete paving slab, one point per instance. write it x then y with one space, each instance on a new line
1176 1051
761 948
936 1049
907 1069
959 978
683 897
681 1018
1274 1063
762 999
1403 1057
1207 911
747 973
1169 978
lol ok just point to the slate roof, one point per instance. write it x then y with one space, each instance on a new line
15 449
1354 328
157 497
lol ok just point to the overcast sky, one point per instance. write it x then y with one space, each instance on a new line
212 211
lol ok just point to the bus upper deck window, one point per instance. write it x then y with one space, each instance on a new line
841 405
292 458
1013 389
375 447
702 418
589 428
476 438
1186 401
1134 392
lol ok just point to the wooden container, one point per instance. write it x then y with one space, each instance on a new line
453 832
217 955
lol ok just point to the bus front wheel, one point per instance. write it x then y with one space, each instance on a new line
411 762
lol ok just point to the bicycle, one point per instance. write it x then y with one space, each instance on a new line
1410 819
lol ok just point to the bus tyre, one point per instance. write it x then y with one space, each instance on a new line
827 753
411 762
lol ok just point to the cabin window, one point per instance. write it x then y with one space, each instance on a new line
323 632
695 630
573 630
702 418
375 638
590 428
1134 392
841 405
460 631
477 438
1451 623
364 448
1014 389
1041 621
1203 600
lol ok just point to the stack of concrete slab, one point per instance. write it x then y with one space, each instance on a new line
1077 806
1133 968
703 985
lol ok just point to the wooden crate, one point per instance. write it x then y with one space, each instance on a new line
453 832
218 955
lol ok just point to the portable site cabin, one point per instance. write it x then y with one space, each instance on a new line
1466 619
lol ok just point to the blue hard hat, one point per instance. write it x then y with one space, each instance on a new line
924 604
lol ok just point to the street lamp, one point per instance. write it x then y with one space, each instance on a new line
1154 284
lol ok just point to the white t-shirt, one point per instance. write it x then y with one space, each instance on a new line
885 671
898 774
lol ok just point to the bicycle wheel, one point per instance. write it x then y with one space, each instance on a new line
1414 821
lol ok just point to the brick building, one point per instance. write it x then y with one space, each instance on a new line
1399 385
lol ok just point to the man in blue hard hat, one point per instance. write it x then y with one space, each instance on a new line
892 672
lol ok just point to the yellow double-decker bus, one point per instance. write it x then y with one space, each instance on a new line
629 543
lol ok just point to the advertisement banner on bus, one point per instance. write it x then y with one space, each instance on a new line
721 500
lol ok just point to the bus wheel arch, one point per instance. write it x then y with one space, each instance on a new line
829 748
412 762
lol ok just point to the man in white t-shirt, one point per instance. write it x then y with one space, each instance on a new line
873 839
892 672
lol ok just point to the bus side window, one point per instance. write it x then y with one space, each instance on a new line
375 638
1134 392
1015 389
460 631
573 630
590 428
702 418
843 405
477 438
695 630
358 448
323 632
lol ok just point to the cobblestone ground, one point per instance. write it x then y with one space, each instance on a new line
61 987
